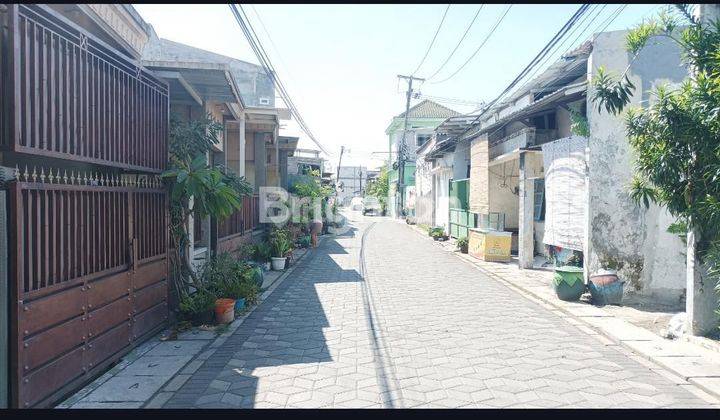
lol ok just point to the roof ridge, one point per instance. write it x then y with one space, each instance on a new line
442 112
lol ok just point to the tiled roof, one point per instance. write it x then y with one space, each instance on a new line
429 109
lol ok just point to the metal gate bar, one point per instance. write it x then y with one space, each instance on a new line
89 272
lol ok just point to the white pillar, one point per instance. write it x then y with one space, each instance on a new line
526 241
701 300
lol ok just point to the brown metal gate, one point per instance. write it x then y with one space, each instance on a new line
89 268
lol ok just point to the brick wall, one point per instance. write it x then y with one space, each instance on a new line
479 175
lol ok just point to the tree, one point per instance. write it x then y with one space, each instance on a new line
311 188
677 137
196 188
379 187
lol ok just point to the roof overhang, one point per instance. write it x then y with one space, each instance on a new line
287 143
278 114
193 81
569 93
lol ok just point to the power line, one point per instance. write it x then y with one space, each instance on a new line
264 59
277 51
605 23
561 46
555 39
433 41
478 48
459 42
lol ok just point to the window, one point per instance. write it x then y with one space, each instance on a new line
421 139
539 200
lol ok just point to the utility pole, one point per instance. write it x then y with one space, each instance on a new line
337 177
360 175
401 146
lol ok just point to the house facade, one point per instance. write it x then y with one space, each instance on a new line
442 178
561 190
241 97
421 122
87 92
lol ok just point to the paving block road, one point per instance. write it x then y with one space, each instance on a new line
381 317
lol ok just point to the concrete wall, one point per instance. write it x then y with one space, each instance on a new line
502 199
563 122
424 190
620 233
461 160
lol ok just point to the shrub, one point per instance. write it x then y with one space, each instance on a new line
229 278
280 242
437 232
462 244
262 252
195 304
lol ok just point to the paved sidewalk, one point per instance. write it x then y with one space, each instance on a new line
412 327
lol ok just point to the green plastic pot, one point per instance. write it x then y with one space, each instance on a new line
568 283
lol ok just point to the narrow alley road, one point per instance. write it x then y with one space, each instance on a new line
381 317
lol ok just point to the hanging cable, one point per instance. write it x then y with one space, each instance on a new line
265 63
432 42
459 42
561 46
492 30
555 39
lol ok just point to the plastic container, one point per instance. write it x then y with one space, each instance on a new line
224 310
239 304
278 264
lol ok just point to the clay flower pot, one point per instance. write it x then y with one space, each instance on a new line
606 288
224 310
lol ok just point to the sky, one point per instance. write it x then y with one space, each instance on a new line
340 63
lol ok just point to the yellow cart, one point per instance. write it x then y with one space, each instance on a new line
489 244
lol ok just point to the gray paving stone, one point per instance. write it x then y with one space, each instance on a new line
422 329
155 366
106 405
127 388
159 400
177 348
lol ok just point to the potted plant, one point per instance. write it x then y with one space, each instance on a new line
438 234
568 283
224 310
606 288
289 256
304 241
262 254
462 244
280 246
197 307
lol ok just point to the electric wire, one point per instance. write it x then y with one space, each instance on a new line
433 41
265 63
459 42
555 39
492 30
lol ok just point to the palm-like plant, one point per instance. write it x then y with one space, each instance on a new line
196 188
